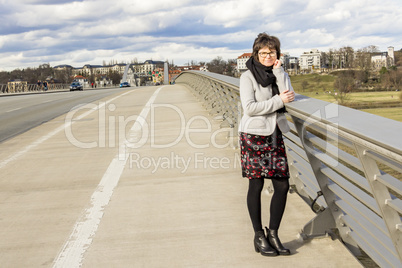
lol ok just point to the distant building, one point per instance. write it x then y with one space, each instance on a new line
119 68
285 56
384 59
241 62
292 65
147 67
63 67
82 80
173 74
192 68
310 60
186 68
204 68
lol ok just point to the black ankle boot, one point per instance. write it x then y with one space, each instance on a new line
273 239
261 245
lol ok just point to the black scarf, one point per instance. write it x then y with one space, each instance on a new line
264 77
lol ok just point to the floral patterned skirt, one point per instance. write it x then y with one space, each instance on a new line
263 156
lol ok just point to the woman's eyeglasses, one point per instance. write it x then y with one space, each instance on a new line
265 54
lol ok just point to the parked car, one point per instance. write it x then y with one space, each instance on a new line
125 84
76 86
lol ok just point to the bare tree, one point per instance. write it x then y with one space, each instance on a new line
64 75
363 62
325 61
347 57
231 67
392 78
331 58
217 65
344 84
45 71
398 57
134 60
304 85
115 77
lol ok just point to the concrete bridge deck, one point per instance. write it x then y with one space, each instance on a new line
178 200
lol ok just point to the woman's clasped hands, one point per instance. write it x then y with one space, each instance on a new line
287 96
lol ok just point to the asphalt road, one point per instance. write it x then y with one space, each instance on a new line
19 113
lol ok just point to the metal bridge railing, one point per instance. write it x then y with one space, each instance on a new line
4 88
344 163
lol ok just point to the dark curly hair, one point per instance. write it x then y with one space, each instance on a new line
265 40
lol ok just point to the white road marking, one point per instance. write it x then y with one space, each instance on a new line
18 154
73 251
12 110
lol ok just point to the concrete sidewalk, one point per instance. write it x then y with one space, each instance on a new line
171 217
179 200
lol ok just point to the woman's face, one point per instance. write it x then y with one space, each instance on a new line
266 56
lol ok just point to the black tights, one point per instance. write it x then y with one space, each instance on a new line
278 202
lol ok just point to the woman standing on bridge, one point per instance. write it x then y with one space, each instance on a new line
264 88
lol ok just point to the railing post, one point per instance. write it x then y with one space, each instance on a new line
331 217
381 195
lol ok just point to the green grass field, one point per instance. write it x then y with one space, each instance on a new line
314 83
391 113
322 87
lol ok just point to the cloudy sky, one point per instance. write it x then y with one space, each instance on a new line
33 32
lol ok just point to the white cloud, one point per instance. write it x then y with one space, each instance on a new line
3 39
229 13
83 56
311 37
319 4
336 15
238 13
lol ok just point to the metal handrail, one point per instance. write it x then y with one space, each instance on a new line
352 158
4 88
